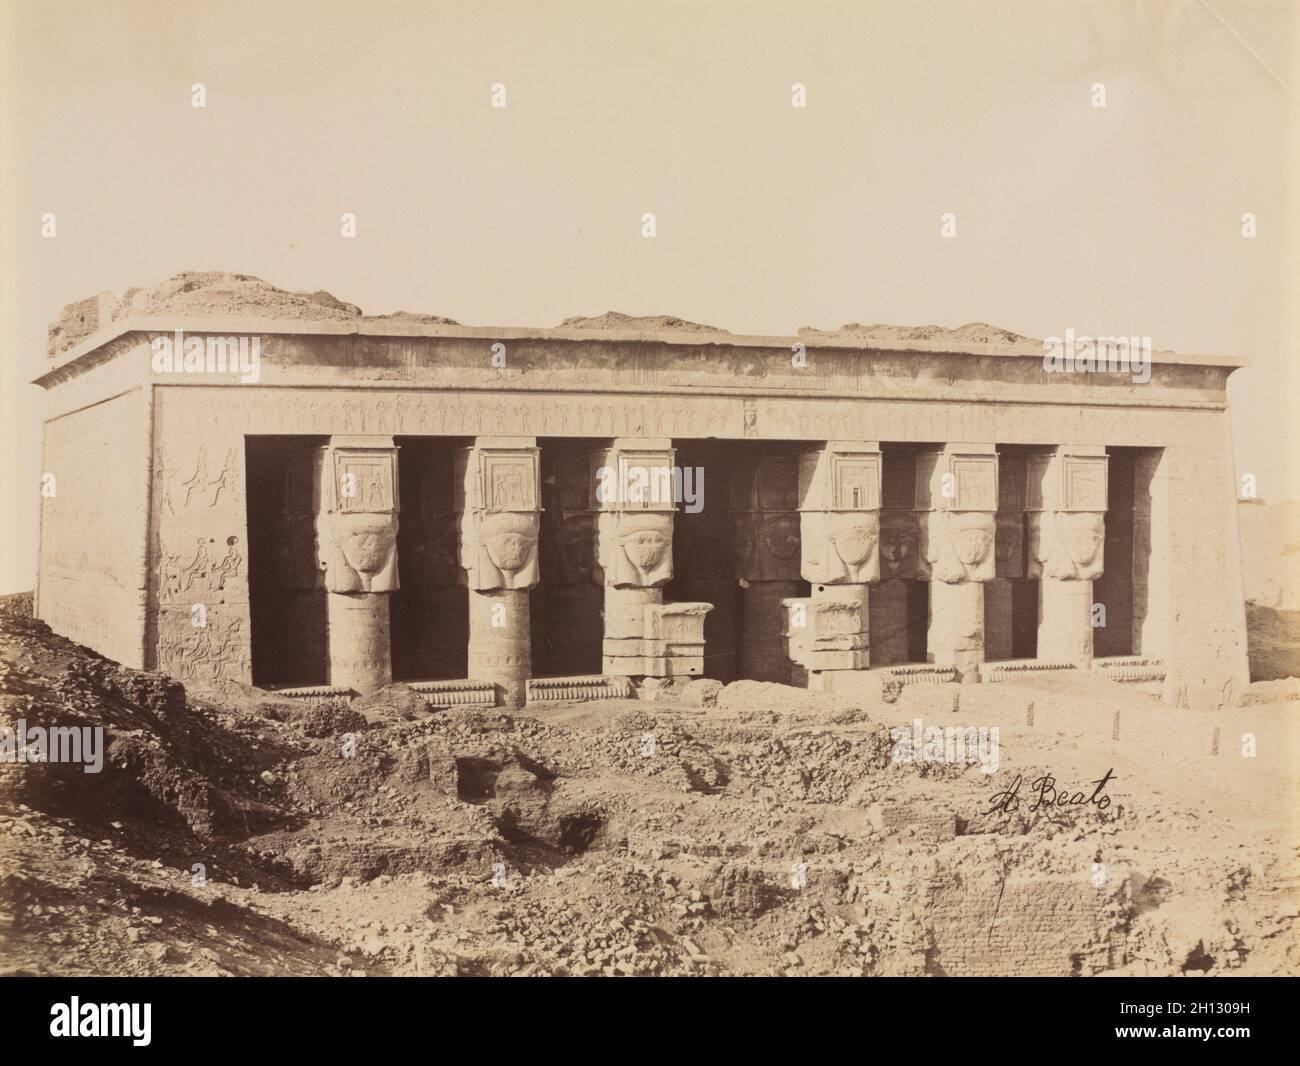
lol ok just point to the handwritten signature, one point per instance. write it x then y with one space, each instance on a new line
1047 794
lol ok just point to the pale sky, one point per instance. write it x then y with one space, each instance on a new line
1117 220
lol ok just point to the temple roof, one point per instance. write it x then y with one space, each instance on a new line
214 301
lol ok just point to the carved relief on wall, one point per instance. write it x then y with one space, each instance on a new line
766 545
778 547
498 500
509 481
1066 545
365 483
207 653
958 545
975 481
192 576
1060 481
358 480
1010 545
197 481
1084 478
854 482
764 521
900 546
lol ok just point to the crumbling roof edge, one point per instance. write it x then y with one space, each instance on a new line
237 324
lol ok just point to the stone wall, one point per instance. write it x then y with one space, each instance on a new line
1205 654
198 542
90 581
316 382
986 924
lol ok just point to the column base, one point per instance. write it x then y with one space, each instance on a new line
1065 620
500 648
360 657
956 634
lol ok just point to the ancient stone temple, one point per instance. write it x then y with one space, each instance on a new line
247 484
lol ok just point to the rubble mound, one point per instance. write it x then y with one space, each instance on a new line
211 294
881 334
613 320
179 771
331 718
773 832
415 317
194 294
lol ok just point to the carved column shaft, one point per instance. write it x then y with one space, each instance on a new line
1066 496
499 489
635 492
356 504
957 489
839 545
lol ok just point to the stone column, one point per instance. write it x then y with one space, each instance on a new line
499 489
839 539
957 489
1009 556
766 522
633 489
1065 495
356 503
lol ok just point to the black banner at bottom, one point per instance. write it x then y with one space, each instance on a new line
303 1014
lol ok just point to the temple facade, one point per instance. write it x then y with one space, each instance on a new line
508 515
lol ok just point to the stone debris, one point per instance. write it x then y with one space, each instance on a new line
766 833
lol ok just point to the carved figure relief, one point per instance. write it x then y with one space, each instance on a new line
900 545
767 546
1066 545
958 545
1010 544
176 578
636 548
205 653
509 481
202 485
227 567
840 547
358 552
499 551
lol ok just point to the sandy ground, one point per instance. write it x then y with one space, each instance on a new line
770 833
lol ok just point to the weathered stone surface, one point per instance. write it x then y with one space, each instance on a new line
155 462
701 693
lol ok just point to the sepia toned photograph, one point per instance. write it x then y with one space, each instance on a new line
650 489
